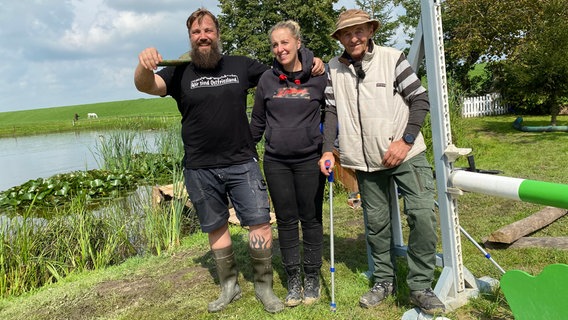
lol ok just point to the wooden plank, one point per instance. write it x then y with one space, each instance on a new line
521 228
541 242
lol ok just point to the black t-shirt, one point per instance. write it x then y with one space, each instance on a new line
215 127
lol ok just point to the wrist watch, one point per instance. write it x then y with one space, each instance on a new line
409 138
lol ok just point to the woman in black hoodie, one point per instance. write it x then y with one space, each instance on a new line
288 111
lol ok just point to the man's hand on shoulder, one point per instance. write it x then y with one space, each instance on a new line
318 67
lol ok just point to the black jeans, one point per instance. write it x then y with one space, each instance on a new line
296 191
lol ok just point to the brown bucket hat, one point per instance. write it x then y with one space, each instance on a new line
353 17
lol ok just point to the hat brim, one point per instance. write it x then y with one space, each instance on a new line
373 22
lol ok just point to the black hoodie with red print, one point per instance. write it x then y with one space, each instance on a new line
287 110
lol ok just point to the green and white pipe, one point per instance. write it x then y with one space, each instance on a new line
545 193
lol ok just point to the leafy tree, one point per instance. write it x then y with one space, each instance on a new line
482 30
487 29
245 25
523 41
382 10
535 74
409 21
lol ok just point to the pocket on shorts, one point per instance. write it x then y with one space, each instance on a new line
262 197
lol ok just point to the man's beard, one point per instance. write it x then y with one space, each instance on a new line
207 60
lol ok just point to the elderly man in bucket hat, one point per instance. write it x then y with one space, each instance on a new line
376 107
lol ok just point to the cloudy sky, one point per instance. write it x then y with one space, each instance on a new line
70 52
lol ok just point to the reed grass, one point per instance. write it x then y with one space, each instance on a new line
163 225
116 152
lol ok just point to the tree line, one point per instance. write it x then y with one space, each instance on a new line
521 44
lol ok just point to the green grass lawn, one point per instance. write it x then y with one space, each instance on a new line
180 283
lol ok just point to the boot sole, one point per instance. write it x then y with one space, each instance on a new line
367 305
434 311
235 298
276 310
292 303
311 300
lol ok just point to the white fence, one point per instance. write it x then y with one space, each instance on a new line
487 105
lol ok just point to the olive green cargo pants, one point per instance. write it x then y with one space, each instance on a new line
415 182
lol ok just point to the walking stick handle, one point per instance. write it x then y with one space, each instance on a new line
327 165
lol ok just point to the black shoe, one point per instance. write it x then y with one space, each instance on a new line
294 296
311 288
377 294
427 301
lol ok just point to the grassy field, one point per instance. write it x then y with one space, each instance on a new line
128 114
178 284
150 113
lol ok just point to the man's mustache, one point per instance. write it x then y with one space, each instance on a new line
204 41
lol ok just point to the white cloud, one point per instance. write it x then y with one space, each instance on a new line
61 53
67 52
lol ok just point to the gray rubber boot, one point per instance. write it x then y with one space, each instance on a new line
262 269
228 275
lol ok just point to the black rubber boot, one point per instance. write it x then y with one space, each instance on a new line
295 295
228 274
262 269
312 288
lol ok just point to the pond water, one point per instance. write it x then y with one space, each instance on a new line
42 156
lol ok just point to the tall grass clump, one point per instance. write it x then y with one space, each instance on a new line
35 251
130 152
166 160
169 142
116 151
165 223
142 123
21 256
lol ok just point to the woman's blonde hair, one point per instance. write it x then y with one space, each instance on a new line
291 25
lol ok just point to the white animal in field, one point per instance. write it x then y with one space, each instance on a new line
92 115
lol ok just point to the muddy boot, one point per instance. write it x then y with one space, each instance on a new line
312 288
262 269
228 274
294 296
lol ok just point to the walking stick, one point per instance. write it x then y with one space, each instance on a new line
331 254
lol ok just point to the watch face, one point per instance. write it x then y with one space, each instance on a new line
408 138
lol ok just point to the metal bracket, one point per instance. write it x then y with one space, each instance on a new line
452 152
454 191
